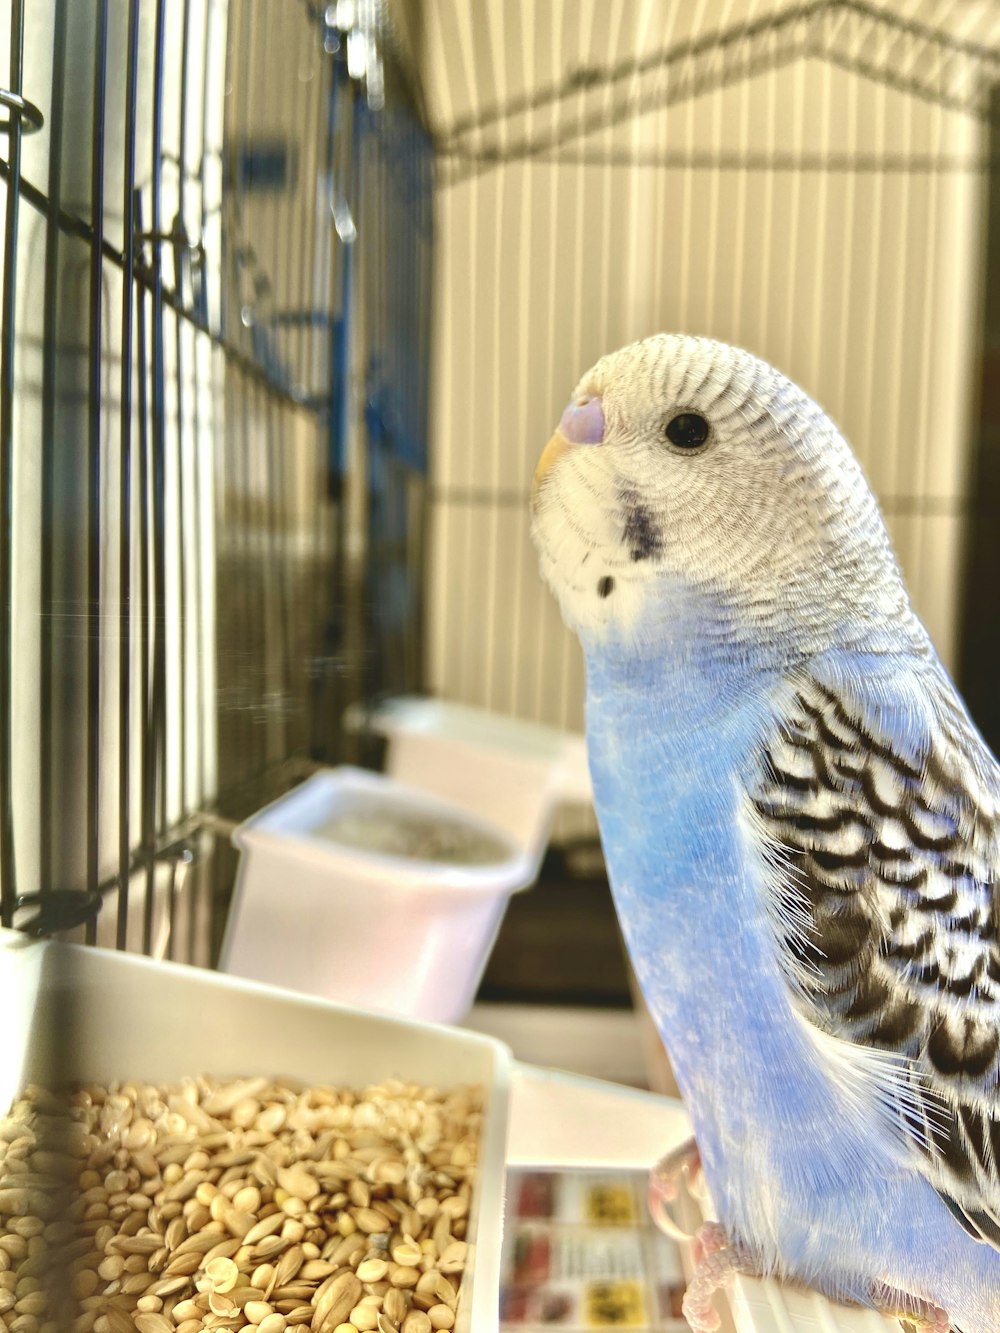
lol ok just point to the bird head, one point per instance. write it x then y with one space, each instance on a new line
688 473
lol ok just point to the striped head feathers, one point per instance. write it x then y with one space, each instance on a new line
684 473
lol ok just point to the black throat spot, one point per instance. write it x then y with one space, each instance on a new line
642 534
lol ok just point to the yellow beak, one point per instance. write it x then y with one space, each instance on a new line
555 447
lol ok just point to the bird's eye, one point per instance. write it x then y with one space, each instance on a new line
687 431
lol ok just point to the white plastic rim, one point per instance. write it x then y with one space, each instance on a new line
291 820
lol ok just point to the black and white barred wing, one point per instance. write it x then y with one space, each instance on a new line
881 816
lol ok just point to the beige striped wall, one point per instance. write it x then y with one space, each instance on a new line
853 264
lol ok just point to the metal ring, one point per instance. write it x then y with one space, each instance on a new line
59 909
22 110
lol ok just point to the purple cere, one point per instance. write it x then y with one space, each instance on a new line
583 422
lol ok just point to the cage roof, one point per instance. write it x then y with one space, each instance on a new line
513 79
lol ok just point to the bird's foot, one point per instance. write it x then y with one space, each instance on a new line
922 1315
717 1260
669 1186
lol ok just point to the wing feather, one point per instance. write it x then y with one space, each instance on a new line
887 909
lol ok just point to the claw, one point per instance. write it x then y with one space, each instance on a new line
717 1259
921 1314
669 1195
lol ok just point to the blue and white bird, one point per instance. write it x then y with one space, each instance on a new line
801 825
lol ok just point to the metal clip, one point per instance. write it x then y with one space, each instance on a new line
29 116
58 910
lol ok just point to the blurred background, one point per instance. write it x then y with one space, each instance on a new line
293 294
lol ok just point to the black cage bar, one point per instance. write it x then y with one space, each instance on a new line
186 390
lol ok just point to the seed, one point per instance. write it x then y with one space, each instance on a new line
445 1291
241 1294
158 1260
390 1172
238 1223
268 1247
337 1300
167 1286
223 1275
199 1244
363 1317
402 1275
224 1250
147 1244
262 1276
298 1182
184 1265
359 1193
247 1200
288 1265
265 1171
371 1221
194 1217
136 1283
112 1267
267 1226
441 1316
118 1320
416 1322
153 1323
452 1259
407 1254
315 1269
395 1305
34 1302
271 1119
82 1284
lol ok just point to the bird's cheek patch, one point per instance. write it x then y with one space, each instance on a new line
642 534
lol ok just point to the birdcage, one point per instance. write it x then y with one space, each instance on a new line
214 331
262 461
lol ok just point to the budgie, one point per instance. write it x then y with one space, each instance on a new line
800 823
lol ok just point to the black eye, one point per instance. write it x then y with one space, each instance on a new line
687 431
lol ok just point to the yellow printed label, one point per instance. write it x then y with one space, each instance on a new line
609 1204
615 1305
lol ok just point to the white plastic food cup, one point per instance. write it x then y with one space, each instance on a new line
513 772
365 927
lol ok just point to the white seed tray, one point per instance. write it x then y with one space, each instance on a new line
136 1018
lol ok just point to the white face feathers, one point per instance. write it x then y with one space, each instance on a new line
687 469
